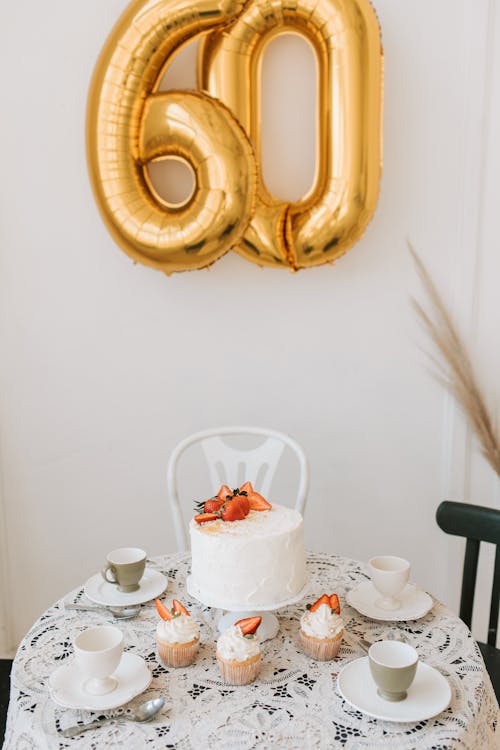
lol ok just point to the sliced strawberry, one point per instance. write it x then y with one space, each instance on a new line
325 599
204 517
214 505
247 487
180 608
257 502
249 625
233 511
163 611
224 492
335 604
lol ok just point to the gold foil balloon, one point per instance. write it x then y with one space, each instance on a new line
130 124
346 38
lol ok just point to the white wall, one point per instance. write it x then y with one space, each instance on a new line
106 365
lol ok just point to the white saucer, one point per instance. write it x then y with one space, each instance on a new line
428 695
151 585
415 603
66 685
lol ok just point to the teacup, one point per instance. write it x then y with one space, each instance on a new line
393 666
389 575
97 654
125 568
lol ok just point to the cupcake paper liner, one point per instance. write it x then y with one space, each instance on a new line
239 672
322 649
178 654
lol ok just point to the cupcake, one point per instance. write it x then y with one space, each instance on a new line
238 652
321 628
177 635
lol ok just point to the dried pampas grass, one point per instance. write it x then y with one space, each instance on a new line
454 368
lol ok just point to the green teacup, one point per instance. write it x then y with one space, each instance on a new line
125 568
393 665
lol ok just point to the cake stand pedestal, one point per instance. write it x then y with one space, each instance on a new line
269 627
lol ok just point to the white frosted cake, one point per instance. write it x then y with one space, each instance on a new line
258 561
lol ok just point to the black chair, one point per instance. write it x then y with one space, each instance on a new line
5 667
477 524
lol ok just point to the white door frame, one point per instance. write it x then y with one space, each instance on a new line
482 22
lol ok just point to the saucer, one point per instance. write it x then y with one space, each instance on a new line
66 685
415 603
428 695
151 585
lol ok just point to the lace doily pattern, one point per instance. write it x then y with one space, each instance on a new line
294 703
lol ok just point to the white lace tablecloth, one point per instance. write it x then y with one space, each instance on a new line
293 704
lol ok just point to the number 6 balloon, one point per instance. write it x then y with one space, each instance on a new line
217 132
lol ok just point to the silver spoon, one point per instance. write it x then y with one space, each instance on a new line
145 712
365 645
121 613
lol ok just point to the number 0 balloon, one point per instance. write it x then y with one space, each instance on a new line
217 132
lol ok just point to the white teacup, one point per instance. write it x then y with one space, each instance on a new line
97 654
389 575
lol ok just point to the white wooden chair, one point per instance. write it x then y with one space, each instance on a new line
227 465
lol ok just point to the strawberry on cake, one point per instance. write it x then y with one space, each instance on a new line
245 551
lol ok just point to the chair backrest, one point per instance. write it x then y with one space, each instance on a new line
477 524
228 465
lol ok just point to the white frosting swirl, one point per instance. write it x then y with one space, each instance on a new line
321 623
181 629
234 646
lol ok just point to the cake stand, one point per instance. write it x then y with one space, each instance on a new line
269 627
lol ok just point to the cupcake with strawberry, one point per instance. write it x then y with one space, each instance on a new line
322 628
177 635
238 652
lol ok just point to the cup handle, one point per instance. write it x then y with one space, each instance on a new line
111 569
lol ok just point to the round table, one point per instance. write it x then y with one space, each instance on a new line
293 704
